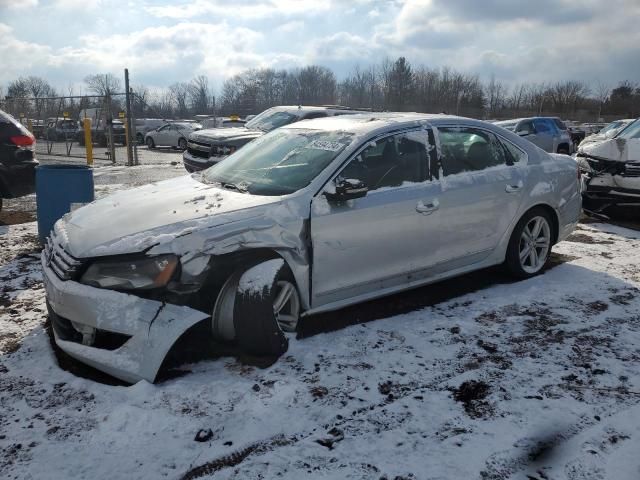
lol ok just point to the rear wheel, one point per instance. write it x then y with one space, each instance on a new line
182 144
530 244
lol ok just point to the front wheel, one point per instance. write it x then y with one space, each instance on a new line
150 143
255 306
530 244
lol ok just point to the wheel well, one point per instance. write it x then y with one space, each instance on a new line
221 267
555 224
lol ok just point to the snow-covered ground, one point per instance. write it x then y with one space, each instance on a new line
535 379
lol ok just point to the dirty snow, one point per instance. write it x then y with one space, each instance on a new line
535 379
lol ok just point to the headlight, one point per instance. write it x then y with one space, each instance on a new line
137 274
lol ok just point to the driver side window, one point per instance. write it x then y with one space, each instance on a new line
390 161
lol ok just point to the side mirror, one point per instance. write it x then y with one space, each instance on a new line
348 189
611 133
525 133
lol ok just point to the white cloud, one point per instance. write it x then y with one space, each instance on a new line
246 9
289 27
16 4
341 46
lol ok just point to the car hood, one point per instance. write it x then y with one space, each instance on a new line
131 221
225 135
617 149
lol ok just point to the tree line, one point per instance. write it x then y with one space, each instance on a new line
393 85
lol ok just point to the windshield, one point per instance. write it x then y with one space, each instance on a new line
270 120
630 131
279 163
611 126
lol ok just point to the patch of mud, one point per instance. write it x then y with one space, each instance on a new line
582 238
472 394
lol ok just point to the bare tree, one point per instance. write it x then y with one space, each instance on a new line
199 94
602 91
103 84
180 92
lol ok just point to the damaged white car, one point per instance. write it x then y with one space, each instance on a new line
611 171
311 217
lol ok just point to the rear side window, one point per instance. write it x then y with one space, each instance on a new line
526 126
311 115
467 149
514 154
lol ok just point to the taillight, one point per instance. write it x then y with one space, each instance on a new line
23 140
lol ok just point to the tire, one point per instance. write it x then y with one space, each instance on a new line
0 204
563 150
182 144
257 316
520 243
150 143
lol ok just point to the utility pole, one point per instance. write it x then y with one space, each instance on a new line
127 90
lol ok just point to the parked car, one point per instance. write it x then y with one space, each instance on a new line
208 147
545 132
172 134
17 159
308 218
60 129
99 128
145 125
611 171
210 121
608 131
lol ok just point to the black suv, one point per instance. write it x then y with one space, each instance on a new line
17 159
207 147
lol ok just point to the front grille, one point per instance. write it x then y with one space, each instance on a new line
65 266
632 170
198 149
222 150
103 339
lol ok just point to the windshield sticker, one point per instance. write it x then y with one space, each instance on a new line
326 145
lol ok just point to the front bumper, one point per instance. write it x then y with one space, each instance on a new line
193 163
133 335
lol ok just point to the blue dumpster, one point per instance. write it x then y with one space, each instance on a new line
57 188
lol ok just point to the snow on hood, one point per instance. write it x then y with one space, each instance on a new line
132 220
618 149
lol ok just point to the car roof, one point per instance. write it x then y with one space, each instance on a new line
313 108
362 123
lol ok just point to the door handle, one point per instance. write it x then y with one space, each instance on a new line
427 208
513 188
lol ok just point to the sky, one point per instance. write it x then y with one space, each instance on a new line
165 41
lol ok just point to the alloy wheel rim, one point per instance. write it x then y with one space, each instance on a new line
286 305
534 244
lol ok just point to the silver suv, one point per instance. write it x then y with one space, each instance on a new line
548 133
308 218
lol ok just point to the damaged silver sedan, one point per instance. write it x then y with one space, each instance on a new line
311 217
611 171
